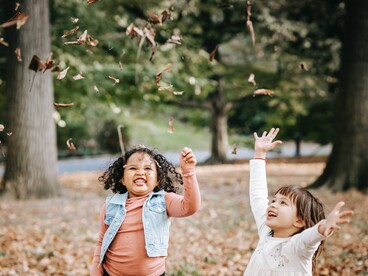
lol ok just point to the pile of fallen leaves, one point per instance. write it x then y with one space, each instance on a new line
57 236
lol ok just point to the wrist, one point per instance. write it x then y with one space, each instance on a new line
259 155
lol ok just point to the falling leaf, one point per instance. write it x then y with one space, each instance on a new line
19 19
17 5
70 144
90 2
57 68
72 31
159 74
48 63
249 23
120 66
63 73
234 151
78 77
251 79
85 39
154 18
213 53
3 42
96 89
163 88
1 127
178 93
63 105
116 81
36 64
18 54
9 133
263 92
303 66
174 39
171 125
74 20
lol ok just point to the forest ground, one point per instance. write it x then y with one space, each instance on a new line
57 236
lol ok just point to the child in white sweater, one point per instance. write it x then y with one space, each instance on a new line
292 228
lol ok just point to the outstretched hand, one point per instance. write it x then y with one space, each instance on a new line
264 143
187 159
334 219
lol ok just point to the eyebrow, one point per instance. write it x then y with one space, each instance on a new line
134 165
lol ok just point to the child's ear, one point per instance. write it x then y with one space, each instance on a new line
299 223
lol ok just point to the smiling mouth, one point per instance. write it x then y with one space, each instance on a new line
271 214
140 182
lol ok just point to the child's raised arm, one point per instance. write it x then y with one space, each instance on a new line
264 143
334 219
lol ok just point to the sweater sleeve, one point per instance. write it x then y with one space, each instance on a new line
188 203
258 193
96 270
306 243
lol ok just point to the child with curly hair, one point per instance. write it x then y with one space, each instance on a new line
293 227
135 221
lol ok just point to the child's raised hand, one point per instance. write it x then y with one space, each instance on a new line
333 219
187 159
264 143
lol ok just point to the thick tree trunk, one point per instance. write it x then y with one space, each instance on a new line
219 126
347 166
31 161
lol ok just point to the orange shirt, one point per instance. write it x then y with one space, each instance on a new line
126 254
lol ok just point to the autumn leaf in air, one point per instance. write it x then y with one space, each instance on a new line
234 151
249 23
3 42
303 66
1 127
159 74
116 81
174 39
178 93
18 54
96 89
19 19
85 39
164 88
70 144
17 5
171 125
63 105
63 73
78 77
252 79
263 92
213 53
74 20
69 32
90 2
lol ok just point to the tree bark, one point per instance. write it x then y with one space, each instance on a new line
347 166
31 161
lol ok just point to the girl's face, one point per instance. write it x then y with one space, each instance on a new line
282 218
140 174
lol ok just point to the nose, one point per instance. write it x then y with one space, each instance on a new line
140 171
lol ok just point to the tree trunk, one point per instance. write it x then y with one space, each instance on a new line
347 166
219 112
31 161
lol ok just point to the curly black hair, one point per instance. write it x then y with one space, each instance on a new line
168 178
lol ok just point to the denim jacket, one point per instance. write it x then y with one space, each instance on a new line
156 223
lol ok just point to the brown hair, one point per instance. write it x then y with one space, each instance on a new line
308 208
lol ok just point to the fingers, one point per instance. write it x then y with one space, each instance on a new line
338 206
188 155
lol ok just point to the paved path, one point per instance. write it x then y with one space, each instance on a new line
100 163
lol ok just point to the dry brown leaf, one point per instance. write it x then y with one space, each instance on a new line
85 39
251 79
63 105
69 32
3 42
74 20
63 73
18 54
178 93
116 81
159 74
249 23
164 88
234 151
17 5
78 77
213 53
19 19
171 126
263 92
70 144
303 66
90 2
96 89
36 64
174 39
